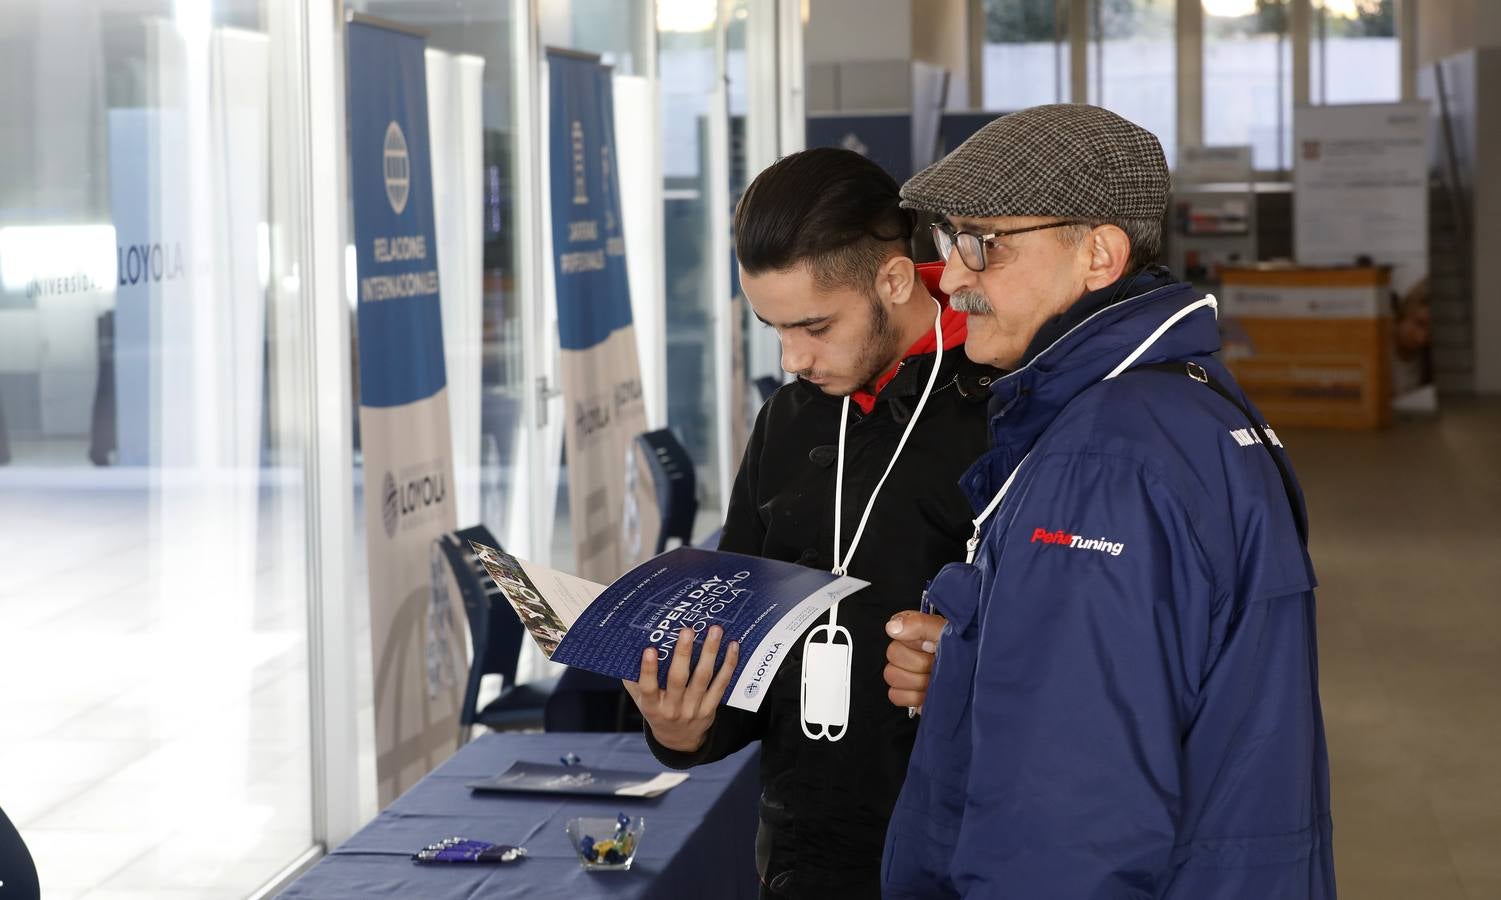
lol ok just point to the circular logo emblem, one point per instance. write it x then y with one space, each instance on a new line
752 689
389 510
398 168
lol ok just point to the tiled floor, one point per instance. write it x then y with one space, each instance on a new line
153 704
184 774
1406 534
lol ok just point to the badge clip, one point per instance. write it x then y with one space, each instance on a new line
827 674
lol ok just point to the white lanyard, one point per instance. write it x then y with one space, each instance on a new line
827 665
973 545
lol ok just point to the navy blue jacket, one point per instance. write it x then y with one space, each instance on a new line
1125 701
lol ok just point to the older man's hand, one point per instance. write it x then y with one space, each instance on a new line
909 656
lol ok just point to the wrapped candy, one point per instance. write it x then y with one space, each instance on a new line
612 850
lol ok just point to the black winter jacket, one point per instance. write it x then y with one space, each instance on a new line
824 806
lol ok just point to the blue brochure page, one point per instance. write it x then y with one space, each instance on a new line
530 777
763 604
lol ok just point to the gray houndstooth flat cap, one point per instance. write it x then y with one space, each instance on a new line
1066 160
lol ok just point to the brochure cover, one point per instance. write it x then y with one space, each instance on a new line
540 778
763 604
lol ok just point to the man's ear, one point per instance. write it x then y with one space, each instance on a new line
894 279
1109 254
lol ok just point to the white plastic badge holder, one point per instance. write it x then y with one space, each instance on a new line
827 670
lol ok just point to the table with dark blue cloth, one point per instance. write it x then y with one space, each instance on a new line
698 842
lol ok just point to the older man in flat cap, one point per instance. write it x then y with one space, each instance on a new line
1124 700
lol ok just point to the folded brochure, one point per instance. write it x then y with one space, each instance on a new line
541 778
764 604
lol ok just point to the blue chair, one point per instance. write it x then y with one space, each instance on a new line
588 701
767 385
4 438
102 432
676 485
496 633
17 870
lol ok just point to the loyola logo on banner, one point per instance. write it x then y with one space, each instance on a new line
391 508
404 502
404 418
611 501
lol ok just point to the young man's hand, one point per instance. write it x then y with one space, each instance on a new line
909 656
681 714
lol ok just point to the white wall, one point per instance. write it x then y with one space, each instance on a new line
1446 27
841 31
940 35
859 53
1487 222
1473 88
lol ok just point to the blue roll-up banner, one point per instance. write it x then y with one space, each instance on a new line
613 508
404 424
884 138
956 127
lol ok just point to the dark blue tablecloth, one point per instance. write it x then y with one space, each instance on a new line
699 839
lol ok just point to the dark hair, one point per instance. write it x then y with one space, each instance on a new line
831 209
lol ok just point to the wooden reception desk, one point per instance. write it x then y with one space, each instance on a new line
1311 346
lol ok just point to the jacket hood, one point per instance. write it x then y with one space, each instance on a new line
1025 402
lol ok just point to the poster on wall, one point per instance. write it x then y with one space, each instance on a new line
611 503
418 646
1361 191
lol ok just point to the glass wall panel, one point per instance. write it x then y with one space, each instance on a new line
1133 64
154 718
1026 53
1248 79
618 31
750 361
1354 55
615 29
687 73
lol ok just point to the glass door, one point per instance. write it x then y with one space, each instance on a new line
155 447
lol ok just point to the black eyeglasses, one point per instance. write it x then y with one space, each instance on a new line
972 246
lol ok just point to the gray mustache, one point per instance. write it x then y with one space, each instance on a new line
972 302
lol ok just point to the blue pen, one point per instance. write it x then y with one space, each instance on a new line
925 607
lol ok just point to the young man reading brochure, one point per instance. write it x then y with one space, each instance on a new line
882 383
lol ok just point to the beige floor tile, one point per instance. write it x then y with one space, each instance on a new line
1407 542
